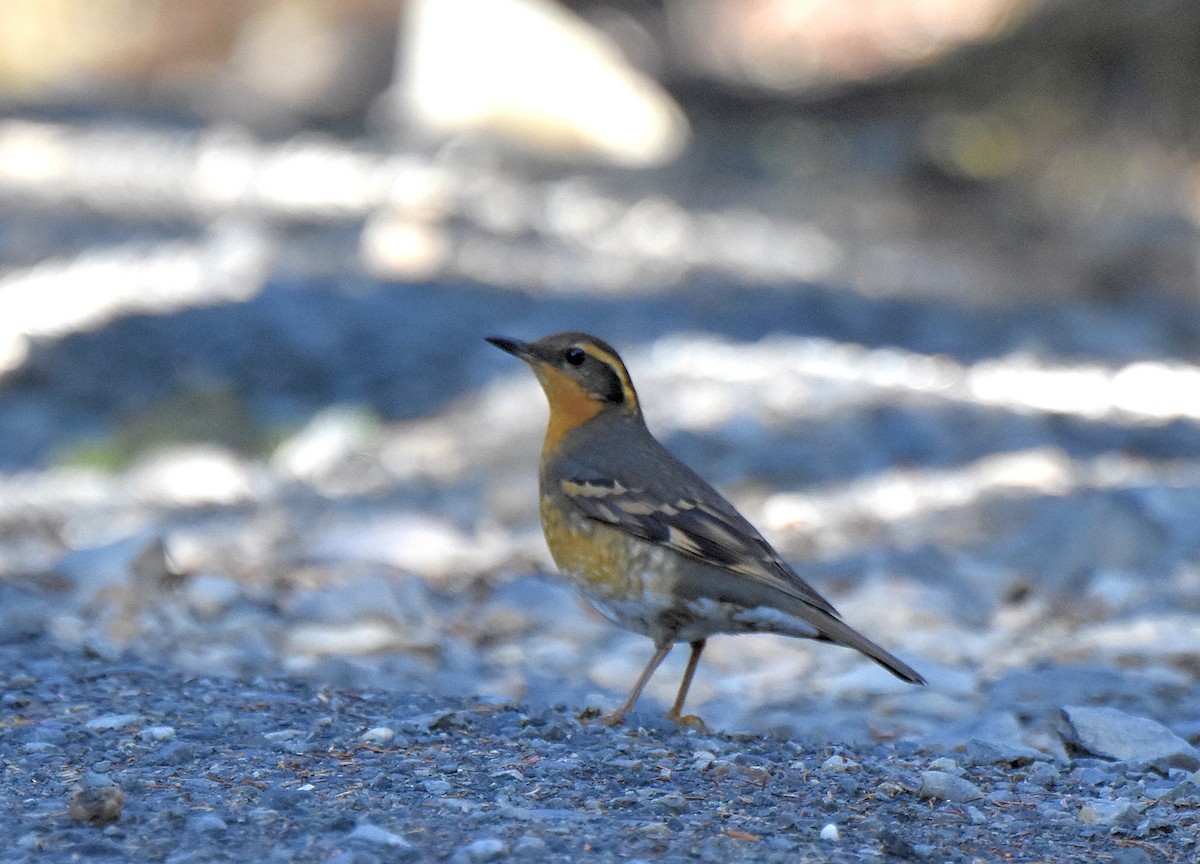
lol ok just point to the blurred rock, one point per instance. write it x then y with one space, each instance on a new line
1102 811
98 806
209 596
947 787
96 571
415 542
196 475
365 832
805 46
274 64
529 71
1116 735
322 451
370 615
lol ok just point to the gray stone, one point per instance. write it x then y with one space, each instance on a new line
672 801
946 765
839 764
110 722
947 787
1102 811
1043 774
369 833
210 596
157 733
378 735
530 845
205 822
984 752
1114 734
479 851
96 570
1130 855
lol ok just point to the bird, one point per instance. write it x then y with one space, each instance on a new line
653 547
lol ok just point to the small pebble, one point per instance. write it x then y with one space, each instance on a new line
947 787
369 833
1100 811
1043 774
204 822
157 733
672 801
945 765
830 833
480 851
96 805
379 735
110 722
530 845
839 763
211 596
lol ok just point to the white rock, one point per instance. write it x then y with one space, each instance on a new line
830 832
529 70
197 475
839 763
110 722
356 638
95 570
157 733
378 735
324 444
369 833
209 596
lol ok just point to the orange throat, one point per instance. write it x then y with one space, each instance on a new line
570 405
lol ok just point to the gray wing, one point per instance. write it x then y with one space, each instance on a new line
679 510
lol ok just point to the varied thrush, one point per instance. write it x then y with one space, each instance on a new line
653 547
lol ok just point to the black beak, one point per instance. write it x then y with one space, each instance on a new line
512 346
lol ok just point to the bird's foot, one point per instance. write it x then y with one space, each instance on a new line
593 715
612 718
692 721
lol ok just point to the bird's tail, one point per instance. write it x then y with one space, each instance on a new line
839 632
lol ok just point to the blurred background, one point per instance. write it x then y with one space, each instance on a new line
913 281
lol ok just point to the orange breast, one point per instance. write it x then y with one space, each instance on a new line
593 556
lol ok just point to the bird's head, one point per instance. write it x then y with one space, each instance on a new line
582 376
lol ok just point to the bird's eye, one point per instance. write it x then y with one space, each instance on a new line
575 356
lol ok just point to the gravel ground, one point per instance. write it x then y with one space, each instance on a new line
221 769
